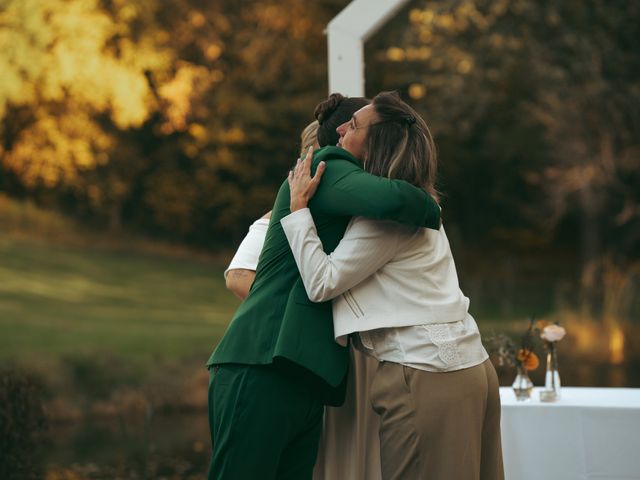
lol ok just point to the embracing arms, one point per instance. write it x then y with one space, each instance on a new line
347 190
365 248
241 272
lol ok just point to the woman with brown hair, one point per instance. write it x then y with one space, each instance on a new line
395 293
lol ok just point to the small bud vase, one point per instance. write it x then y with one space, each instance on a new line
551 391
522 385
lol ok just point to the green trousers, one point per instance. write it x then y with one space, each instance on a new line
264 424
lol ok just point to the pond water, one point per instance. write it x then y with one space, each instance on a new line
159 447
176 446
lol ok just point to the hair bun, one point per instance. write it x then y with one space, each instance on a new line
326 108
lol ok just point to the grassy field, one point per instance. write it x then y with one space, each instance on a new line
57 300
67 290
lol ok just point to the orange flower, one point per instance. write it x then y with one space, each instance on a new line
532 362
529 359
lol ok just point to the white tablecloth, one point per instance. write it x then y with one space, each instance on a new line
589 434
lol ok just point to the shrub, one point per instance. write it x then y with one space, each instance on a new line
22 424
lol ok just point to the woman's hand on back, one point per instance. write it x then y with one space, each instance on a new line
301 184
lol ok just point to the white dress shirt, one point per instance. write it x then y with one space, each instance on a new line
248 253
395 285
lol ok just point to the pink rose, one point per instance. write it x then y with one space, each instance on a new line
553 333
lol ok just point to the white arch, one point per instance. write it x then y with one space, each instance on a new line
346 35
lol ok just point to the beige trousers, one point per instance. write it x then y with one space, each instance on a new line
349 447
438 426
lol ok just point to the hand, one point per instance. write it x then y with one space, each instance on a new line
301 184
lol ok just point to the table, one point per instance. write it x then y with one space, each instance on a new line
589 434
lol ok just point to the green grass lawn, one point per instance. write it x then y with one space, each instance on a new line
76 300
60 300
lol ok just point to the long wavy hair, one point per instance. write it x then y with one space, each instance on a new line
400 144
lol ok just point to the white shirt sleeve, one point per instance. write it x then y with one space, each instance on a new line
248 253
367 245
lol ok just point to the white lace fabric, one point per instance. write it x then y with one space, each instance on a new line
443 347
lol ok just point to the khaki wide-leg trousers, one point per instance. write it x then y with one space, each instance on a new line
438 426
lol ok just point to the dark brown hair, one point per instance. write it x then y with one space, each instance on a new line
332 113
400 145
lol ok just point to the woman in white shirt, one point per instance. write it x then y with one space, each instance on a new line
396 294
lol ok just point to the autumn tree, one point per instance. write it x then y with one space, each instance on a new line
535 108
74 78
174 117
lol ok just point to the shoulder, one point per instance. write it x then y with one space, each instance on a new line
332 153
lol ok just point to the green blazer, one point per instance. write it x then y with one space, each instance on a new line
277 320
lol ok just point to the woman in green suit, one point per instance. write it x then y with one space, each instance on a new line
349 445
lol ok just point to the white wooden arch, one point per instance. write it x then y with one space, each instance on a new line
346 35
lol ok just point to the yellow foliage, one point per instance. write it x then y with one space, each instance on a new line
616 346
197 131
213 51
395 54
417 91
233 135
274 17
56 147
426 35
57 50
465 66
197 19
70 60
415 15
177 93
420 53
446 21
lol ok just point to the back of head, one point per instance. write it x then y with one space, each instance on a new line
400 145
332 113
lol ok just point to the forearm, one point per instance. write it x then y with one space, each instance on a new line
346 189
319 275
365 248
241 272
239 282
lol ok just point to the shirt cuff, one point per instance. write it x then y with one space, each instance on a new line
260 224
299 219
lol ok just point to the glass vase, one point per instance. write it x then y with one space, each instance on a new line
522 385
551 391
